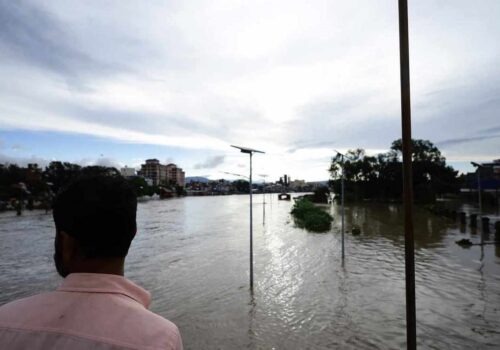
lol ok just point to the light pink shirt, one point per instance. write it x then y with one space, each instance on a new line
88 311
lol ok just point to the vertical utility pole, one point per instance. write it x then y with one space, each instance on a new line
263 176
264 203
479 166
411 328
343 209
250 152
480 203
342 204
251 226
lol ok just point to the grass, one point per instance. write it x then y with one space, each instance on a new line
311 217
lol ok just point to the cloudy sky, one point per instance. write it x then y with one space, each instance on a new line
116 82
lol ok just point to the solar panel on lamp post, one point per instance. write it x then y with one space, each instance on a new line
250 152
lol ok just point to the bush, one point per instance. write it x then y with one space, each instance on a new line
311 217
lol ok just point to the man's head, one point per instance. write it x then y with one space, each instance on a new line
95 218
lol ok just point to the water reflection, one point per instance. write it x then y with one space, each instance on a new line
192 254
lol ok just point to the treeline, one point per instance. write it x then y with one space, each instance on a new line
380 177
35 187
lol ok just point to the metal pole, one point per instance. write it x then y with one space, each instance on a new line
498 202
264 203
480 202
250 151
411 329
343 209
251 227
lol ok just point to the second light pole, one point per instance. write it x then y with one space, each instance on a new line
250 152
479 166
263 199
343 208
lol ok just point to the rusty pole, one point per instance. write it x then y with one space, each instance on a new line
411 334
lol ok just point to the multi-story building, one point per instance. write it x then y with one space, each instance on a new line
181 177
175 175
297 184
151 170
162 174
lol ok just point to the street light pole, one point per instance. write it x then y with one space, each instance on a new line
263 199
251 225
250 152
264 203
343 210
342 204
479 166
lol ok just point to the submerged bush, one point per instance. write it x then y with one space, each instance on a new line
311 217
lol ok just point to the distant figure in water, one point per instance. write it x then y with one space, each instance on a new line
95 307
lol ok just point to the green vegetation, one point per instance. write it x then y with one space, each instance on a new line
320 195
242 186
34 187
311 217
380 176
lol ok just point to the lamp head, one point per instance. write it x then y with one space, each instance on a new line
247 150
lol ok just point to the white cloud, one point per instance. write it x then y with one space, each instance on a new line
210 162
292 77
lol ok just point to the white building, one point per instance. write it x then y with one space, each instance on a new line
127 172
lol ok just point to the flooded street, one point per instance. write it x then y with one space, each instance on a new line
192 255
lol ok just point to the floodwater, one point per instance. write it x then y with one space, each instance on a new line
192 255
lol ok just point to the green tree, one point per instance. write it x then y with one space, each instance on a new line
380 176
140 186
57 174
241 186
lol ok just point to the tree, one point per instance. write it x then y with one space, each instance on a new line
320 195
180 190
141 186
95 170
380 176
57 174
421 151
241 186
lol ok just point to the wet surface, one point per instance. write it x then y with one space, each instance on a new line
192 255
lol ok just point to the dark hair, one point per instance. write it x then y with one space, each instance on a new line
100 213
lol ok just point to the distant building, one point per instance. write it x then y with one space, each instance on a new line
175 175
489 174
162 174
494 169
181 177
297 184
127 172
285 180
151 170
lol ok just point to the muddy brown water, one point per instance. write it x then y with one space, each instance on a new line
192 255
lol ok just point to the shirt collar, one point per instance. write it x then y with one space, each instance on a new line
105 283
